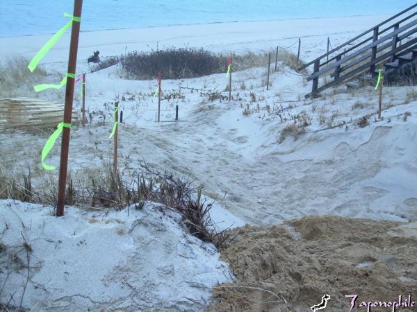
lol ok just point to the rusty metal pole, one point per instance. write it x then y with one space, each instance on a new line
83 122
69 95
115 137
159 96
230 81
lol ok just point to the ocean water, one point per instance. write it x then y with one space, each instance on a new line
30 17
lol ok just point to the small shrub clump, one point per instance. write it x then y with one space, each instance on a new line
173 63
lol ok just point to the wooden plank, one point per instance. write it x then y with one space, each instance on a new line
362 50
360 68
359 36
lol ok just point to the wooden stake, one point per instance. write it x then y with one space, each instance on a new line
269 66
328 48
176 112
116 132
69 95
299 49
159 96
230 83
83 122
276 60
380 96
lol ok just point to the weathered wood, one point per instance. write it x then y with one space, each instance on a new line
360 35
269 68
360 68
374 50
315 80
31 113
364 49
394 41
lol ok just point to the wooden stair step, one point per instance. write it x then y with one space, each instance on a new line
394 64
407 57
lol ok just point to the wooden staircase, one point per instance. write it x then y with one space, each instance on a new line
391 45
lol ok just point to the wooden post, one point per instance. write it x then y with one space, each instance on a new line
176 112
69 95
276 59
83 109
380 96
269 66
374 51
328 48
315 80
394 42
159 96
121 117
337 70
299 49
230 81
116 132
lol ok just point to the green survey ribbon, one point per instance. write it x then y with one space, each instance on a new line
51 142
379 79
42 87
228 70
114 129
115 123
51 42
156 91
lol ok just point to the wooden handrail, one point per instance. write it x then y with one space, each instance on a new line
360 51
359 36
366 40
354 72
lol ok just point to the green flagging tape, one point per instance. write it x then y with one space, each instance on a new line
51 42
81 92
229 68
116 110
50 144
42 87
156 91
114 129
379 79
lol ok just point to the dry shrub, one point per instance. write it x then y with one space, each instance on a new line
292 130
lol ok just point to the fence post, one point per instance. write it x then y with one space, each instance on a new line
337 70
269 66
328 48
83 113
115 137
159 96
69 96
176 112
315 80
276 59
394 41
299 49
374 51
230 81
380 96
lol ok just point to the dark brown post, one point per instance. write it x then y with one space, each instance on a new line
159 96
374 51
69 95
83 109
269 67
176 112
276 59
315 80
116 132
299 49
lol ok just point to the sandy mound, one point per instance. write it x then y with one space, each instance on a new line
298 262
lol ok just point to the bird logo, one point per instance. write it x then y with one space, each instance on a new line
322 304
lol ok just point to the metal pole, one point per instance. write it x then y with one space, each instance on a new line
276 60
116 119
83 122
69 95
159 96
269 66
